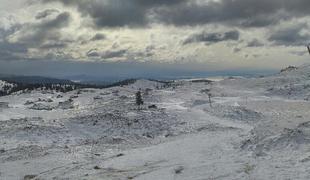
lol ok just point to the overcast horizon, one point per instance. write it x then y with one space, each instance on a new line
134 38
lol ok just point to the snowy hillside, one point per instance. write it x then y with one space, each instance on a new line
292 83
236 128
145 84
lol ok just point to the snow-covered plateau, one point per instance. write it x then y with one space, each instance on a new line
236 128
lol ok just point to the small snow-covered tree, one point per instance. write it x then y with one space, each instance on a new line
139 100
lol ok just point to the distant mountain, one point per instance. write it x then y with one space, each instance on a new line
95 80
34 80
13 83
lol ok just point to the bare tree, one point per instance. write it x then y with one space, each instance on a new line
210 101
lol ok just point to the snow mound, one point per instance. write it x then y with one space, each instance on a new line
66 104
31 131
23 152
234 112
118 124
200 102
288 138
144 84
290 83
216 127
41 107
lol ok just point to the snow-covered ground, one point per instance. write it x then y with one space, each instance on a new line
257 128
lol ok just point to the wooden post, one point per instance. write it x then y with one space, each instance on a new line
209 95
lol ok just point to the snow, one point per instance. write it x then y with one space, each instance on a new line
3 83
5 86
144 84
250 130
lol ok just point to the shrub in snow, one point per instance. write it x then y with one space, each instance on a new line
147 91
39 106
178 170
123 97
59 96
28 102
105 93
98 97
74 96
205 91
29 177
290 68
152 106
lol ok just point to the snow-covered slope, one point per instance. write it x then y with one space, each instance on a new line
146 84
293 83
246 131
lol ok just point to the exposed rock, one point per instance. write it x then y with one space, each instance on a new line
98 97
28 103
59 96
152 106
178 170
29 177
74 96
66 104
97 167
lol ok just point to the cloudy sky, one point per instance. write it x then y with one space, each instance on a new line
191 35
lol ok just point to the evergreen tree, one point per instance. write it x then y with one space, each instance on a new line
139 100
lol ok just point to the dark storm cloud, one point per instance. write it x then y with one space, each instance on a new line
4 32
114 14
61 20
250 13
113 54
11 47
236 50
54 45
44 34
98 37
109 54
46 13
36 34
117 13
299 53
213 37
93 53
291 36
255 43
10 51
